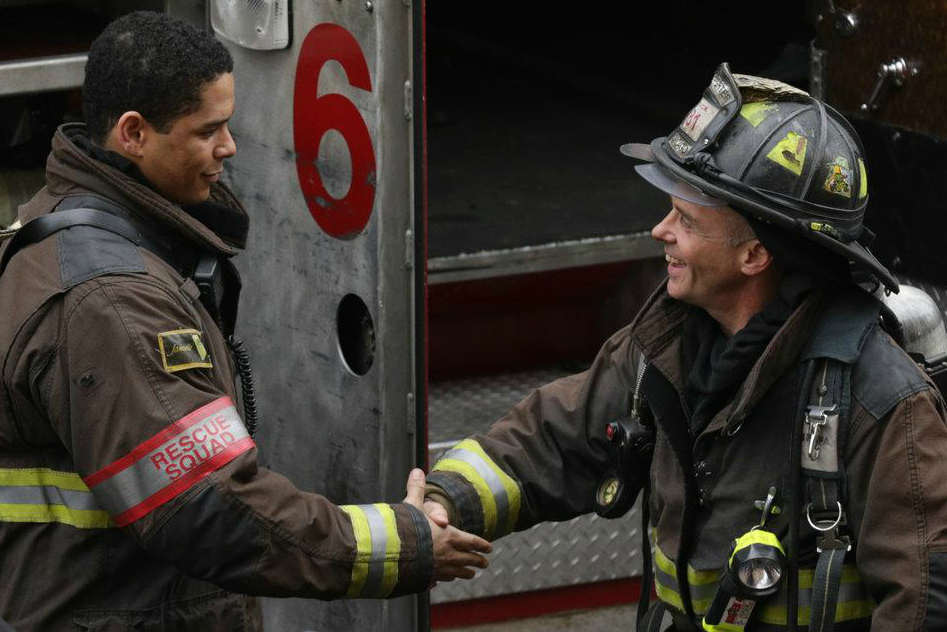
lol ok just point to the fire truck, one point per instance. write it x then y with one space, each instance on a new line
441 219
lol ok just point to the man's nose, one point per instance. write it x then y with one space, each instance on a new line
662 232
227 148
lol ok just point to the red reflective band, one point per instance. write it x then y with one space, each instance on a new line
185 482
174 429
171 462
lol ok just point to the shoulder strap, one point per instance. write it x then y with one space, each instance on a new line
215 276
38 229
834 348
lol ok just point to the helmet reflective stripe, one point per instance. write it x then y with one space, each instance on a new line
378 549
499 494
44 495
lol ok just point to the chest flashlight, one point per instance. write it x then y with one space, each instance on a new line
754 571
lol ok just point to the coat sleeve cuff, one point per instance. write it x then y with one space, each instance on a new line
485 496
463 505
438 495
394 553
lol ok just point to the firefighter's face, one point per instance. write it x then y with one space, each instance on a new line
704 265
183 163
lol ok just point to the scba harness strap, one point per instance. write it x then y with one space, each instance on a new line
832 351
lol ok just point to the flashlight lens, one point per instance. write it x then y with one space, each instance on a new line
760 573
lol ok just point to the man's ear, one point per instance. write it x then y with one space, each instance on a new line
754 258
130 134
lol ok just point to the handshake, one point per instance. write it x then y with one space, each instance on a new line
456 552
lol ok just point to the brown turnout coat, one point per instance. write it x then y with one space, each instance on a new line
130 494
545 458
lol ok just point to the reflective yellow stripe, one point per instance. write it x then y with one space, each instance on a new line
850 575
378 550
487 501
771 614
22 491
512 489
41 476
721 627
664 562
702 578
392 550
363 544
756 536
668 595
79 518
694 576
701 605
499 494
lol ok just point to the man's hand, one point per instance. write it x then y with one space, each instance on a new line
436 512
455 551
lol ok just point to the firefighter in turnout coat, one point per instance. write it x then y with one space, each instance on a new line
130 493
797 479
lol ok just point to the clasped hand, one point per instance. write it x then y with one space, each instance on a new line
456 553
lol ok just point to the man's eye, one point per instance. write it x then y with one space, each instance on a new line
209 133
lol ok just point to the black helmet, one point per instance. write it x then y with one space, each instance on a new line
775 154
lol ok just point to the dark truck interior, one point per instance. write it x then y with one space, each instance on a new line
526 111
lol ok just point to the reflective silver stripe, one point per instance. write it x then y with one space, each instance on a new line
48 495
376 568
666 580
854 591
702 592
490 477
171 461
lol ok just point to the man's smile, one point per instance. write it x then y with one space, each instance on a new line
673 261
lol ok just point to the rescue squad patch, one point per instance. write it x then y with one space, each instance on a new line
183 349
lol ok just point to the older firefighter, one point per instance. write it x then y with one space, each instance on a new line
130 494
798 475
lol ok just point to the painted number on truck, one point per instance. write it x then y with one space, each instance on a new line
314 115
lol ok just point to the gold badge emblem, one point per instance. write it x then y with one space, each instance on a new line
183 349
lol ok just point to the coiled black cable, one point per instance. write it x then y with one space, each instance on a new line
241 359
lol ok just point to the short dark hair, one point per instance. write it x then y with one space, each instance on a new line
152 63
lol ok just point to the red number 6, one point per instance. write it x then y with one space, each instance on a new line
313 116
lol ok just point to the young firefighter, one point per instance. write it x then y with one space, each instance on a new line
130 494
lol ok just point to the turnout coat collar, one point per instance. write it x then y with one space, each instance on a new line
71 171
657 332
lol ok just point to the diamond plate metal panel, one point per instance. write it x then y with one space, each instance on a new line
553 554
583 550
460 408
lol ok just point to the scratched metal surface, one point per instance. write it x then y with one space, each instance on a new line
583 550
329 430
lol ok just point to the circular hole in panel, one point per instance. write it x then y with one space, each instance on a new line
356 332
335 164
